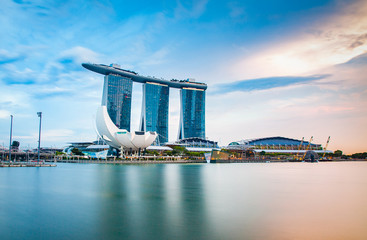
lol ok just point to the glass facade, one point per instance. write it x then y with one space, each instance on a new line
192 120
117 97
155 110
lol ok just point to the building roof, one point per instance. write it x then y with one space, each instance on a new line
159 148
81 143
288 151
195 139
98 147
199 149
272 141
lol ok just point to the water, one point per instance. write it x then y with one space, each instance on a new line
185 201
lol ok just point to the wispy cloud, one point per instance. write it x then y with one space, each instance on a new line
12 75
358 61
4 114
190 9
78 55
50 135
9 57
331 41
266 83
237 12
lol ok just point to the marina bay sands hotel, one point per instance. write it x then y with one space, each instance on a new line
117 93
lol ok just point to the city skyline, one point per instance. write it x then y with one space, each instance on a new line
274 68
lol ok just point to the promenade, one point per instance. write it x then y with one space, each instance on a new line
26 164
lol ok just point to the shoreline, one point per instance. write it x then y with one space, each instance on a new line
195 161
53 163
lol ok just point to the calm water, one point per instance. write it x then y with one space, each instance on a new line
207 201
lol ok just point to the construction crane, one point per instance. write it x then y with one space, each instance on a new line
327 143
299 148
308 146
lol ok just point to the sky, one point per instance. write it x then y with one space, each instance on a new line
273 67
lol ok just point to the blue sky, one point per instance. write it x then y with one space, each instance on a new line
274 68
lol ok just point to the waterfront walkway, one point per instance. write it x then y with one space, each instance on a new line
26 164
133 161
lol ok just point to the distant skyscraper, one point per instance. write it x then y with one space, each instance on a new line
154 116
117 97
192 116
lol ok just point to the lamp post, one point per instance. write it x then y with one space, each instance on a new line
11 133
39 135
3 159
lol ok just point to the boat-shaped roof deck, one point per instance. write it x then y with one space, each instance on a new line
113 69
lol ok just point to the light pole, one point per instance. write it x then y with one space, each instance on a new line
28 153
39 135
11 133
3 159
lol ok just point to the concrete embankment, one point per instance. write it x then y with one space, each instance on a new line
26 164
128 161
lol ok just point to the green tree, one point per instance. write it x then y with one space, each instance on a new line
168 153
178 150
155 152
359 155
77 152
338 153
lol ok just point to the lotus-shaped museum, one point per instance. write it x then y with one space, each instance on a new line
118 138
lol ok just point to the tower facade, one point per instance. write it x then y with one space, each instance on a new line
192 116
154 115
117 98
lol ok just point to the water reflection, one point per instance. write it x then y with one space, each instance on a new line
207 201
152 202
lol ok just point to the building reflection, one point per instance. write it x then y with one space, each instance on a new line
152 202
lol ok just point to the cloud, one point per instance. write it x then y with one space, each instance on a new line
237 12
357 61
78 55
332 106
58 67
7 57
48 135
193 9
58 133
327 42
4 114
11 75
22 2
51 92
72 58
266 83
157 57
359 41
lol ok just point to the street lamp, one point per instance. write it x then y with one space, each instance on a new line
39 135
11 133
3 159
